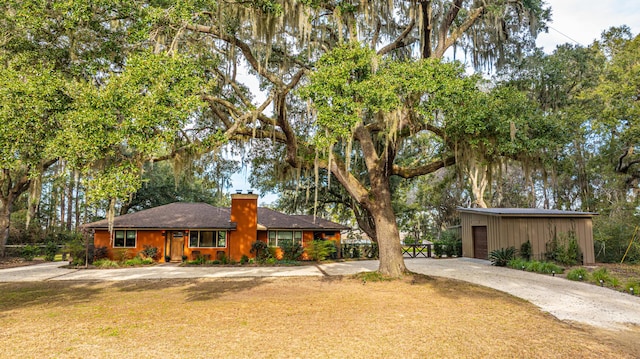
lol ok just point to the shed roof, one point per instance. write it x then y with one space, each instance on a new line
526 212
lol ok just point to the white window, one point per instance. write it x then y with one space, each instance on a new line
124 239
207 239
280 238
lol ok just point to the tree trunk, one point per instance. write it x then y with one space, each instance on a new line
5 222
381 209
70 190
390 250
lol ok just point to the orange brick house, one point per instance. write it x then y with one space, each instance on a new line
193 229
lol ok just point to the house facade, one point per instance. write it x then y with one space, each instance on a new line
487 229
198 229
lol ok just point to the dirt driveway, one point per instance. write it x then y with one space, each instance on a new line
564 299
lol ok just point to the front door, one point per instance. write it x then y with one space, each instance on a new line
480 242
177 246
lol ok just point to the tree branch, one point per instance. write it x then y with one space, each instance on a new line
422 170
400 40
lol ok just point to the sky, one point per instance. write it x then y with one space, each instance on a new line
573 21
582 21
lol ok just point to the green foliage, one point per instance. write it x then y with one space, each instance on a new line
319 250
105 263
452 243
351 251
501 257
198 261
100 252
518 263
580 274
564 249
121 254
261 251
244 259
137 261
150 252
291 251
50 251
79 251
525 250
29 252
635 284
438 248
544 267
611 237
535 266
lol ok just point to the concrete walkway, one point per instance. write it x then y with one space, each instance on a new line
566 300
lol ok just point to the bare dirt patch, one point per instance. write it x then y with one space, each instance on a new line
287 317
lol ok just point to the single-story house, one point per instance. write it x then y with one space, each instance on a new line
192 229
488 229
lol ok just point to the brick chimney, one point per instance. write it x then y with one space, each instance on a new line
244 212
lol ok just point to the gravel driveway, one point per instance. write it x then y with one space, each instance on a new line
564 299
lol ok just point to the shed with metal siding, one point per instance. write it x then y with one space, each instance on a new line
506 227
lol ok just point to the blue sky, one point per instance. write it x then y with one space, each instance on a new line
573 21
584 20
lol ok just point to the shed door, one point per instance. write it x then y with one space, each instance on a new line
480 242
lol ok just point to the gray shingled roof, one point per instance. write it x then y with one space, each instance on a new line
271 219
526 212
201 215
177 215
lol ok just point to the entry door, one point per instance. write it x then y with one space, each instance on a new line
177 246
480 242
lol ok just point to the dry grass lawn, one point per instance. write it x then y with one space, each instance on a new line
287 318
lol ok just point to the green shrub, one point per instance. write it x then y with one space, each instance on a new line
222 257
29 252
198 261
261 251
450 244
50 251
121 254
635 284
517 263
438 248
578 274
351 251
601 274
291 251
525 250
100 252
319 250
271 261
244 259
105 263
564 249
137 261
500 257
78 251
150 251
372 251
550 267
611 236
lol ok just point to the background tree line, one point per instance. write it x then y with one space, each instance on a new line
105 103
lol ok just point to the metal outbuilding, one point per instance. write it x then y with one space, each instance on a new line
488 229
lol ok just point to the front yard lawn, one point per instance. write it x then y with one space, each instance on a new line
324 317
